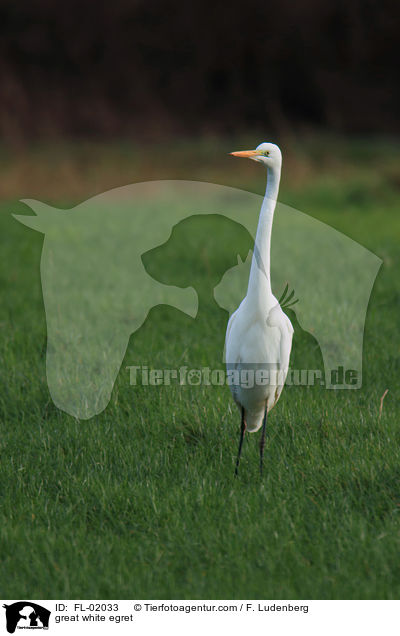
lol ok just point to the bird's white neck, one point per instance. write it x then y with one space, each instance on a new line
259 291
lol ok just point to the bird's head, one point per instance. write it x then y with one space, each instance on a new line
266 153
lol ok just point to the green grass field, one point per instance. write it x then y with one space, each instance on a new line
141 501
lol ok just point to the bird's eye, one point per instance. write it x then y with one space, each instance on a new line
266 153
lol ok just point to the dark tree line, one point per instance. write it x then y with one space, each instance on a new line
142 68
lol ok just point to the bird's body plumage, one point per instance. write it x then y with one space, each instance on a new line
259 334
254 346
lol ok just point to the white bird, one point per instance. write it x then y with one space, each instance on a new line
259 334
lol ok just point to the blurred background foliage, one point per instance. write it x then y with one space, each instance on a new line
152 70
95 95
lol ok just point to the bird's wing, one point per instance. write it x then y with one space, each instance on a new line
285 347
285 343
231 347
278 319
229 325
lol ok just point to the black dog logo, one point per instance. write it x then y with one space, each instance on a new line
26 614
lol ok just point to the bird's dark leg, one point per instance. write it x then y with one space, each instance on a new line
242 432
262 441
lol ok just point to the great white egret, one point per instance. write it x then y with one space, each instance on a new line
259 334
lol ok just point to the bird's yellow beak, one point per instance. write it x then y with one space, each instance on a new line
249 154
